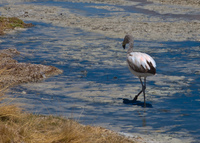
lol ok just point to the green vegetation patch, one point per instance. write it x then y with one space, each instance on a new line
9 23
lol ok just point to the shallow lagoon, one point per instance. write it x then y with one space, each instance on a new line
96 78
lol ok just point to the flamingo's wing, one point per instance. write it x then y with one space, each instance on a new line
141 62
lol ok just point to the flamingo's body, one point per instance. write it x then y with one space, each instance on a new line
140 64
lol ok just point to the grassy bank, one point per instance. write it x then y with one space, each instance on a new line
10 23
17 126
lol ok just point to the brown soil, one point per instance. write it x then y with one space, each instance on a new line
12 72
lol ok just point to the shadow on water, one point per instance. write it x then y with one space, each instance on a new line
138 103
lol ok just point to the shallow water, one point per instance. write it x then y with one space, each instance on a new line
96 78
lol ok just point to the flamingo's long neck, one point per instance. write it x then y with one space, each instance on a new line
130 49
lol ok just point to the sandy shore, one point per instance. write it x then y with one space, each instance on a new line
117 24
194 3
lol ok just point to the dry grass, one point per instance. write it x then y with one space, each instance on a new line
8 23
17 126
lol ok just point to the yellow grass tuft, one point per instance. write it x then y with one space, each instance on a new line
18 126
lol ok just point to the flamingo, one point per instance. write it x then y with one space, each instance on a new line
139 64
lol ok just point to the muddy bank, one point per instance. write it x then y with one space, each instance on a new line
117 24
13 73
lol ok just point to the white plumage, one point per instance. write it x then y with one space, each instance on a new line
140 64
